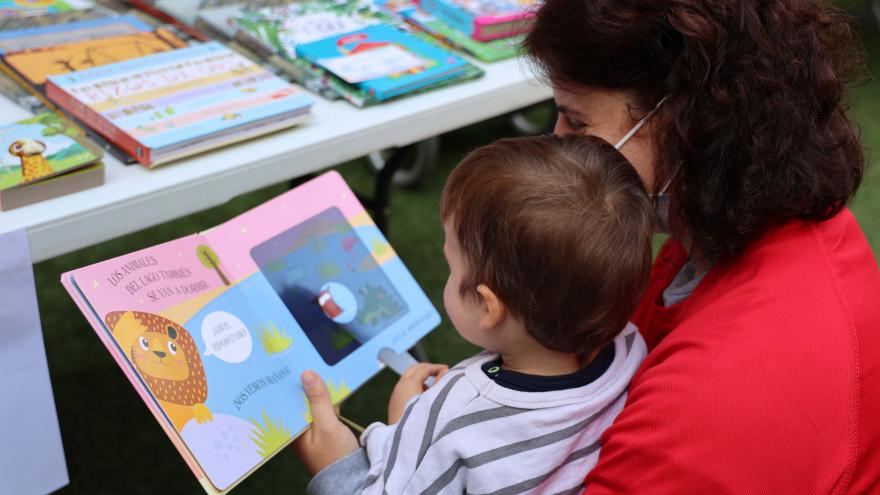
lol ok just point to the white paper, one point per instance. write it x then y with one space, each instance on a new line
31 454
372 64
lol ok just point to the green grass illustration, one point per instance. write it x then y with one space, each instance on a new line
274 340
268 436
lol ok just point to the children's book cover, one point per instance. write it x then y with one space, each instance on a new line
23 8
41 147
37 65
383 60
170 99
280 28
214 329
486 51
484 20
284 27
45 36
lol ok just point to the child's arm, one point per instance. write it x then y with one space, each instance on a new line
328 443
393 456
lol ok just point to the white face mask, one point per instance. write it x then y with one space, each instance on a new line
662 197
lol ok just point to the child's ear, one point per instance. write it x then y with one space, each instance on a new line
494 310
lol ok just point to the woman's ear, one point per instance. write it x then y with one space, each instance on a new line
494 311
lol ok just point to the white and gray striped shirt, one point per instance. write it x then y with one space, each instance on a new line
468 434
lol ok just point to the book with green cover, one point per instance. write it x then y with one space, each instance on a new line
280 29
40 147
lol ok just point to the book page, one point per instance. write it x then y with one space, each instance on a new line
180 324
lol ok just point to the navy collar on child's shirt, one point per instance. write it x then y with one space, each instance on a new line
523 382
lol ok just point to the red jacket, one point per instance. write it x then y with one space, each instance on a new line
766 380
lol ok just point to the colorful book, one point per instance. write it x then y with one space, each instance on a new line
36 65
84 30
484 20
486 51
279 30
384 61
27 8
214 329
219 15
170 105
40 147
43 20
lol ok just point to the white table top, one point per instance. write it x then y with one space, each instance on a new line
134 198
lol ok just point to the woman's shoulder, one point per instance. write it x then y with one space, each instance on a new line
774 357
800 273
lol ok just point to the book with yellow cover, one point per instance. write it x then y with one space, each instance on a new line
37 65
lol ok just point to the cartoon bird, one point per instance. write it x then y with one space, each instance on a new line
167 359
33 164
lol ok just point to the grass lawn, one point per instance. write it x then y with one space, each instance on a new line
113 444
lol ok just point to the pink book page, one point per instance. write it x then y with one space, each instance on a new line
162 279
93 277
166 282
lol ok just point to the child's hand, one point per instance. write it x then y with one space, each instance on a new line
412 383
328 439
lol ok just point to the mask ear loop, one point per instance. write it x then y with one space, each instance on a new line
632 132
668 183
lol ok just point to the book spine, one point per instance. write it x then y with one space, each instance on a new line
489 28
99 123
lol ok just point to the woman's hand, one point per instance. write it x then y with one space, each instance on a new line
412 383
327 440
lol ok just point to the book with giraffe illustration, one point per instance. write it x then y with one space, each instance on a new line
214 329
39 154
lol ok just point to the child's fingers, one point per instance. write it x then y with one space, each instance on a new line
420 372
319 399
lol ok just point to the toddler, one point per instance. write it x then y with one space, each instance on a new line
548 242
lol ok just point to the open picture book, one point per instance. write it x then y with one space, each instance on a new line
214 329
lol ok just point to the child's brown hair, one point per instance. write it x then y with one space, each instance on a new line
560 229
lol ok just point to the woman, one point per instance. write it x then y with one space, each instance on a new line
763 315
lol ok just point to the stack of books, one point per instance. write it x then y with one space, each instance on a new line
145 93
44 157
170 105
489 30
350 49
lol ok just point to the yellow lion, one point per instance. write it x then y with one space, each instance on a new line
167 359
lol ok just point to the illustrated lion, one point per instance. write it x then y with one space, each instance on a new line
167 359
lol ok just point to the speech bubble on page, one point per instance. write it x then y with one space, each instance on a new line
226 337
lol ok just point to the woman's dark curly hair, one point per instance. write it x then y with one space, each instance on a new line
755 118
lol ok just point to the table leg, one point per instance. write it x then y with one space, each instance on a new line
381 200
